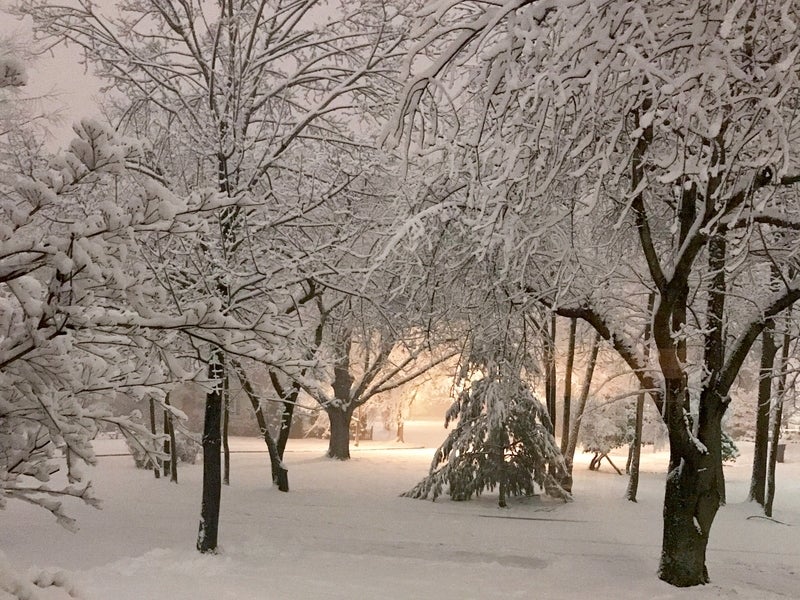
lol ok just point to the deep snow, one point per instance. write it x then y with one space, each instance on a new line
344 533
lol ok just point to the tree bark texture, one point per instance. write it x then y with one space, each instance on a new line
167 447
340 413
694 489
339 443
212 471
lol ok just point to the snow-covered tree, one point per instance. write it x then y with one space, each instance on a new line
621 149
259 101
502 435
501 439
81 318
71 311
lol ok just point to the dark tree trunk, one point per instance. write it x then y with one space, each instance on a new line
212 473
565 419
340 413
156 466
694 490
550 374
280 474
226 418
758 479
635 453
289 402
169 426
167 445
339 443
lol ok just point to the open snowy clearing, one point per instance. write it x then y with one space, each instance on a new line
344 533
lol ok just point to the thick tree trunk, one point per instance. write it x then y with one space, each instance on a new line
758 479
339 443
212 473
340 413
683 550
695 488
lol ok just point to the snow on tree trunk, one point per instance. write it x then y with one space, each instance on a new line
695 488
152 406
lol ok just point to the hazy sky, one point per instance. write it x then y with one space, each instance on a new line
58 75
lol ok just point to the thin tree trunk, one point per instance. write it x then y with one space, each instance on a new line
636 445
777 416
212 442
758 479
280 474
173 446
226 418
550 374
565 419
287 413
290 401
635 453
167 444
156 465
576 422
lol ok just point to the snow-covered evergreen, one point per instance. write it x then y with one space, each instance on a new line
502 436
501 440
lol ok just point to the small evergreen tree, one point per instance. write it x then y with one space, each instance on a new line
502 438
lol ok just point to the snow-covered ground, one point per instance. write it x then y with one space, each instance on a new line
344 533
